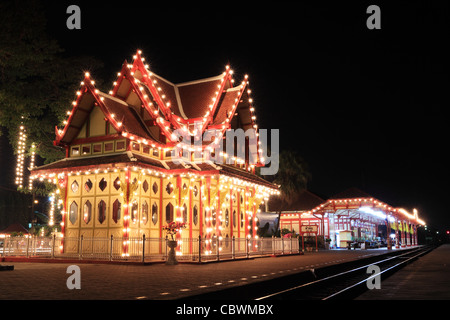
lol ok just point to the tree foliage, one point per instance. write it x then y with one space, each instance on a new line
292 176
37 80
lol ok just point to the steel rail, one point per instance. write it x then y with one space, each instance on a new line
344 273
398 265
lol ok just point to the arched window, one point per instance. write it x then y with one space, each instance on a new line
73 213
144 212
74 186
227 217
195 215
195 191
116 210
116 184
103 184
169 212
88 185
101 211
87 211
145 186
154 213
169 188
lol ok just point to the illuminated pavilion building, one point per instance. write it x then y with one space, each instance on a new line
348 217
127 174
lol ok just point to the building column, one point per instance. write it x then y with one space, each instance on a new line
397 235
231 219
219 212
190 223
179 215
62 188
408 235
415 231
388 234
403 235
246 222
208 215
126 214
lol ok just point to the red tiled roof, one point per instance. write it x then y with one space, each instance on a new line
196 96
15 227
127 115
148 108
164 104
169 90
226 106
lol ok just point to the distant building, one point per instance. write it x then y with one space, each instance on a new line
15 228
301 202
348 217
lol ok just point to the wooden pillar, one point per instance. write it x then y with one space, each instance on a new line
403 235
126 214
218 211
408 235
238 215
161 221
415 235
208 215
231 219
190 223
63 185
179 217
397 235
388 234
246 224
200 195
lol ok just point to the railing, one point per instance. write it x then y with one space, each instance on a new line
146 249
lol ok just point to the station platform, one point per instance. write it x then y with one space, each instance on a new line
158 281
427 278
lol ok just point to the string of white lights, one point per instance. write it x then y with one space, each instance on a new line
21 143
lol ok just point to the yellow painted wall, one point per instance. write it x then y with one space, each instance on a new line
143 223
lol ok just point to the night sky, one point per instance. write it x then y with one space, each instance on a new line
365 108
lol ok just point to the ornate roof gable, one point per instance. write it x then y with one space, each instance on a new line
141 100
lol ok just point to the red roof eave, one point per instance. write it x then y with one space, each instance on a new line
87 85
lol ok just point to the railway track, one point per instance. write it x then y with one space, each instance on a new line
340 281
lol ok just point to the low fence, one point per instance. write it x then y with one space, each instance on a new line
146 249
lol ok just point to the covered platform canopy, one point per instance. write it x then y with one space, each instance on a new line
354 214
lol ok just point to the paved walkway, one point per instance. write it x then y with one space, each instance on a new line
156 281
427 278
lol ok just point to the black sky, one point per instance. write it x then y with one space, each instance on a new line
365 108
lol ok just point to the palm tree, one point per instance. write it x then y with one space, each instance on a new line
292 176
